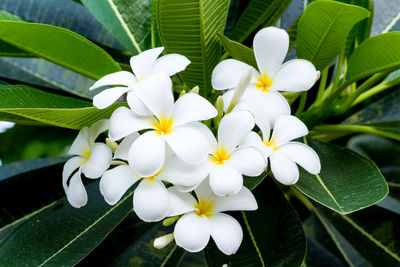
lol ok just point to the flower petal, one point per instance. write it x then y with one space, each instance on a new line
192 107
143 63
180 203
243 200
206 132
303 155
124 122
150 200
117 78
97 128
156 93
203 190
270 47
69 167
283 168
107 97
98 162
186 189
137 105
288 128
192 232
254 140
147 154
233 128
122 151
225 180
226 232
81 144
295 76
76 192
170 64
227 73
188 144
115 182
249 161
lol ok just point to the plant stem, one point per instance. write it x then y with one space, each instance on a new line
338 69
322 85
375 90
302 104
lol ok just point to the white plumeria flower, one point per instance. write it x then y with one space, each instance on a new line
150 200
227 160
93 159
203 218
284 153
170 123
143 66
262 97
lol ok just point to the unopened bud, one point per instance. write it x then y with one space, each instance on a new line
318 76
111 144
240 89
195 90
169 221
219 105
182 93
163 241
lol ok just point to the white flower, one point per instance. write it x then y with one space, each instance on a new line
282 153
270 47
92 159
150 200
227 161
170 123
203 218
143 66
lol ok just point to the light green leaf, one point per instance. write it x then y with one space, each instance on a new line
238 51
323 29
347 182
189 27
59 46
128 21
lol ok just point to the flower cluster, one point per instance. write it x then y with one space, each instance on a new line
179 166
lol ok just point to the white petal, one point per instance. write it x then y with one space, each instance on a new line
227 73
227 97
263 121
233 128
270 47
115 182
254 140
288 128
207 133
118 78
97 128
98 162
107 97
284 169
76 192
81 144
156 93
186 189
137 105
150 200
170 64
203 190
188 144
180 203
147 154
303 155
249 161
226 232
143 63
225 180
294 76
192 107
192 232
124 122
122 151
244 200
69 167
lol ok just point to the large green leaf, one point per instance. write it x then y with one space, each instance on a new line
376 54
238 51
272 235
258 12
323 29
32 106
189 27
60 46
128 21
347 182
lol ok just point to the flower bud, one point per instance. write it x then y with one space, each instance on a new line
219 105
163 241
111 144
195 90
240 89
182 93
169 221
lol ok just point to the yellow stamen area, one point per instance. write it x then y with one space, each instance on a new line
152 178
264 83
163 126
220 156
86 154
204 208
271 143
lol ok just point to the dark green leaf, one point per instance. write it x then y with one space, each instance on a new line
238 51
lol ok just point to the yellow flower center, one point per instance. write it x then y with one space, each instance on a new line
204 208
271 143
86 154
152 178
220 156
264 83
163 126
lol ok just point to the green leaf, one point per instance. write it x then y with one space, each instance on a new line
155 33
128 21
238 51
272 235
11 51
376 54
323 29
189 27
60 46
347 182
258 12
35 107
